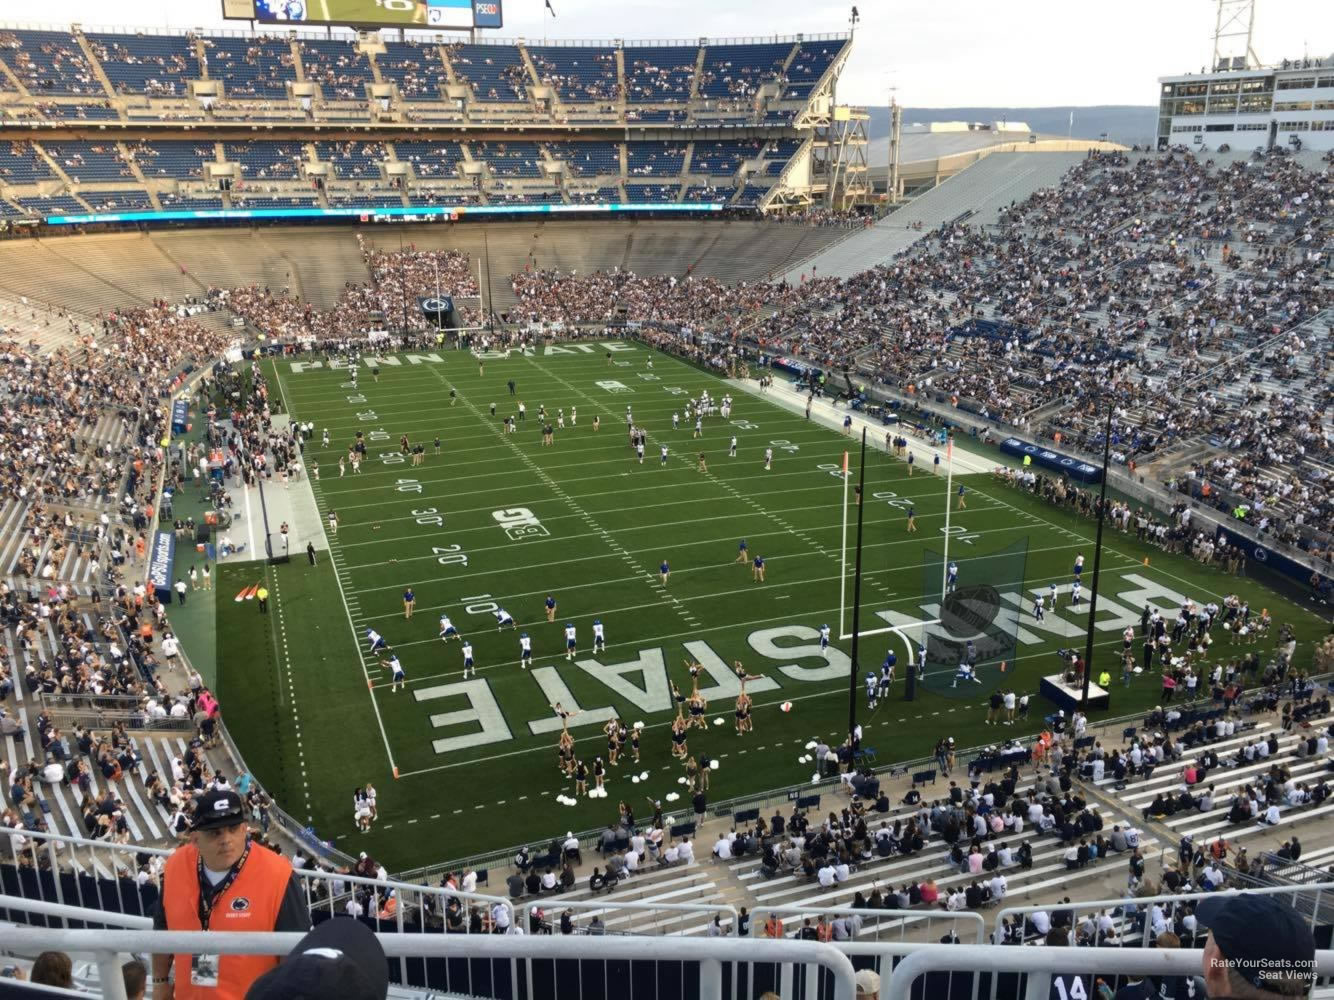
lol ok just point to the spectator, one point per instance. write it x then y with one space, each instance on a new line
1259 948
135 977
341 958
53 968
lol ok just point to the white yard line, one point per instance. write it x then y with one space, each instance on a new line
617 550
452 532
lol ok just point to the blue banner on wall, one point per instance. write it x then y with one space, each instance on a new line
180 416
1075 468
1263 555
161 562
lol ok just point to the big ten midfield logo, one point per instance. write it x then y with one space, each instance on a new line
520 523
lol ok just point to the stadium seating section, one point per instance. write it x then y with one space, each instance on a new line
745 82
48 62
740 70
578 73
415 67
151 78
495 72
155 65
250 67
337 67
657 75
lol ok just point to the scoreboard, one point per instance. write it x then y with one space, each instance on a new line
446 15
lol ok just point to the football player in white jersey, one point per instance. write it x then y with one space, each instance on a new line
599 637
396 668
375 639
447 630
569 640
467 659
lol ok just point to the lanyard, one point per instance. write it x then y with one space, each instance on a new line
209 893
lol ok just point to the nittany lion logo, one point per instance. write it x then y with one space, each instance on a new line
240 903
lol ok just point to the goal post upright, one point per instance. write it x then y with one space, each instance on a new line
949 485
856 597
843 552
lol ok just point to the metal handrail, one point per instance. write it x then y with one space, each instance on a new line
65 912
966 916
1155 962
1177 897
599 906
53 845
709 953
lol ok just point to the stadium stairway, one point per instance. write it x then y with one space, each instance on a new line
12 534
982 188
60 803
35 325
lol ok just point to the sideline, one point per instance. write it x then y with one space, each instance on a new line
823 412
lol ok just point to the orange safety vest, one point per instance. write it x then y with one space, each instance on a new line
250 903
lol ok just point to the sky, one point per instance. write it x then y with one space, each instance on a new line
1029 53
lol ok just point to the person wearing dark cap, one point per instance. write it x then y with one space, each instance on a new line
1259 948
219 881
340 958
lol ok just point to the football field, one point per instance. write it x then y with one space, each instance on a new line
502 520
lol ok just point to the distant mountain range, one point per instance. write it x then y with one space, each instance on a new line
1124 123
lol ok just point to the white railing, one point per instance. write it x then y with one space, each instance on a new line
678 912
327 892
610 953
1134 907
1043 963
972 924
81 914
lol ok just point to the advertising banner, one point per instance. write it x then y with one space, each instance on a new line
1054 461
161 562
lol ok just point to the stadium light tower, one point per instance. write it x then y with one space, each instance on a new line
1235 20
895 138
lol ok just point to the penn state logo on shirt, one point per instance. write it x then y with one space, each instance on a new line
240 903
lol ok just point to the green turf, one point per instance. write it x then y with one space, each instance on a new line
606 523
399 13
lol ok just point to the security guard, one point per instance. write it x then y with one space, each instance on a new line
263 595
221 881
1105 680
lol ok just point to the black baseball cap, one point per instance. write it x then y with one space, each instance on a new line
341 958
1262 937
216 808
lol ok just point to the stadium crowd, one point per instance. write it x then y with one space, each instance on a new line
1146 283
